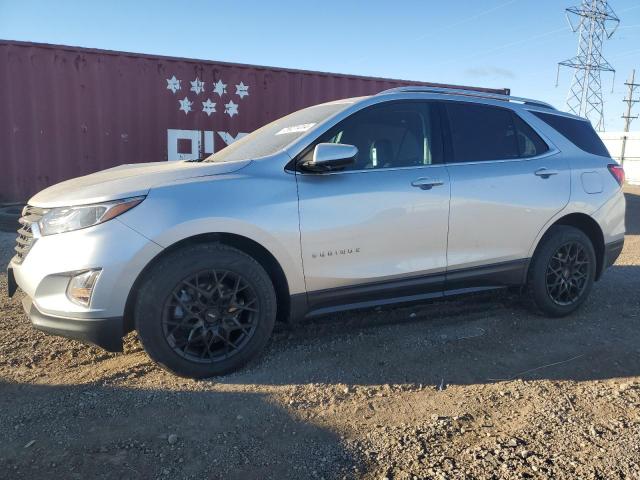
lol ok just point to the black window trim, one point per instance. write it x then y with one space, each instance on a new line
448 146
293 165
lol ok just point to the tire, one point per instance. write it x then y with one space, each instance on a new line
556 288
186 328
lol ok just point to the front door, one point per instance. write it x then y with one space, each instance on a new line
377 230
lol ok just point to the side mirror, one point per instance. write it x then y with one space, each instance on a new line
330 156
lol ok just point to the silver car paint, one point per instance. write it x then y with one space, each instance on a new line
257 202
399 229
497 207
606 207
121 253
369 225
126 181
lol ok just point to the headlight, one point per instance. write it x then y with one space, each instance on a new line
66 219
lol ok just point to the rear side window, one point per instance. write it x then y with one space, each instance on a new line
481 132
578 132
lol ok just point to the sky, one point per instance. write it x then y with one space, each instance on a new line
492 43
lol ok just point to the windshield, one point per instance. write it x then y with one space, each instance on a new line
276 135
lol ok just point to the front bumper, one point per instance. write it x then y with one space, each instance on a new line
45 271
106 333
44 274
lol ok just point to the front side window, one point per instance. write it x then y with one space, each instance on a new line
393 135
482 132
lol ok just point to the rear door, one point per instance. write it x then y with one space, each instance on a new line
378 229
506 184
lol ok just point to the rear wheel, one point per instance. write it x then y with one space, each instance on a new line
205 310
562 271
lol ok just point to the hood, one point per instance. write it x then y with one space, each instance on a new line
126 181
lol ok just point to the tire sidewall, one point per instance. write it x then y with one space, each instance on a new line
162 280
554 239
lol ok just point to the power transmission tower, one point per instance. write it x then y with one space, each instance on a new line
595 21
630 100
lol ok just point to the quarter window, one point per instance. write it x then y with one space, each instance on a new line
481 132
399 134
577 131
529 142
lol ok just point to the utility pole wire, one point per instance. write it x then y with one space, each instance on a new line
503 46
451 25
465 20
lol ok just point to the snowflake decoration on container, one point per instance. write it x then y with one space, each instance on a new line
208 107
185 105
231 108
173 84
242 90
220 88
197 86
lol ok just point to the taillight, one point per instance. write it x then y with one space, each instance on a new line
617 171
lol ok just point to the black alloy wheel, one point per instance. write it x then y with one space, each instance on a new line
562 271
210 316
205 310
567 273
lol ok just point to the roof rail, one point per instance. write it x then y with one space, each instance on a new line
470 93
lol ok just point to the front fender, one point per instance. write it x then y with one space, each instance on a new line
263 209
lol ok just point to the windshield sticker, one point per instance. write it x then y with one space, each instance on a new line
296 128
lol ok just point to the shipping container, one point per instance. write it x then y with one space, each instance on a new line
69 111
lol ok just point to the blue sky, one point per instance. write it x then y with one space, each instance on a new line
497 43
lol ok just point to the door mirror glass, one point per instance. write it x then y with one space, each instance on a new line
330 156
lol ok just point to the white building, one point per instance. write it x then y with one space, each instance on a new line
631 162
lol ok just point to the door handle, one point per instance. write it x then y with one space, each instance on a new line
545 172
426 183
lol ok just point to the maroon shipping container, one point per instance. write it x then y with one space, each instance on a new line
69 111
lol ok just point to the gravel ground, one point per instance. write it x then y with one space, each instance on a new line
468 388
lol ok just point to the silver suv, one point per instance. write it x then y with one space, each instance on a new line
408 195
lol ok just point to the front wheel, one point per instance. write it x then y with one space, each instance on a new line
205 310
562 271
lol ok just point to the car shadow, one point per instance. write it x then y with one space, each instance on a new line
92 431
472 340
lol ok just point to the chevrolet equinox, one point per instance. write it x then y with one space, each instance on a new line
411 194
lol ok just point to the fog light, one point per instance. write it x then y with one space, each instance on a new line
81 286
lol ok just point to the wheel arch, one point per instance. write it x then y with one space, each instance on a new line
246 245
589 227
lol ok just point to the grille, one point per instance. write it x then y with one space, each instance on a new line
26 238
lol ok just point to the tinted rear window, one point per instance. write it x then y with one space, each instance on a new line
578 132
